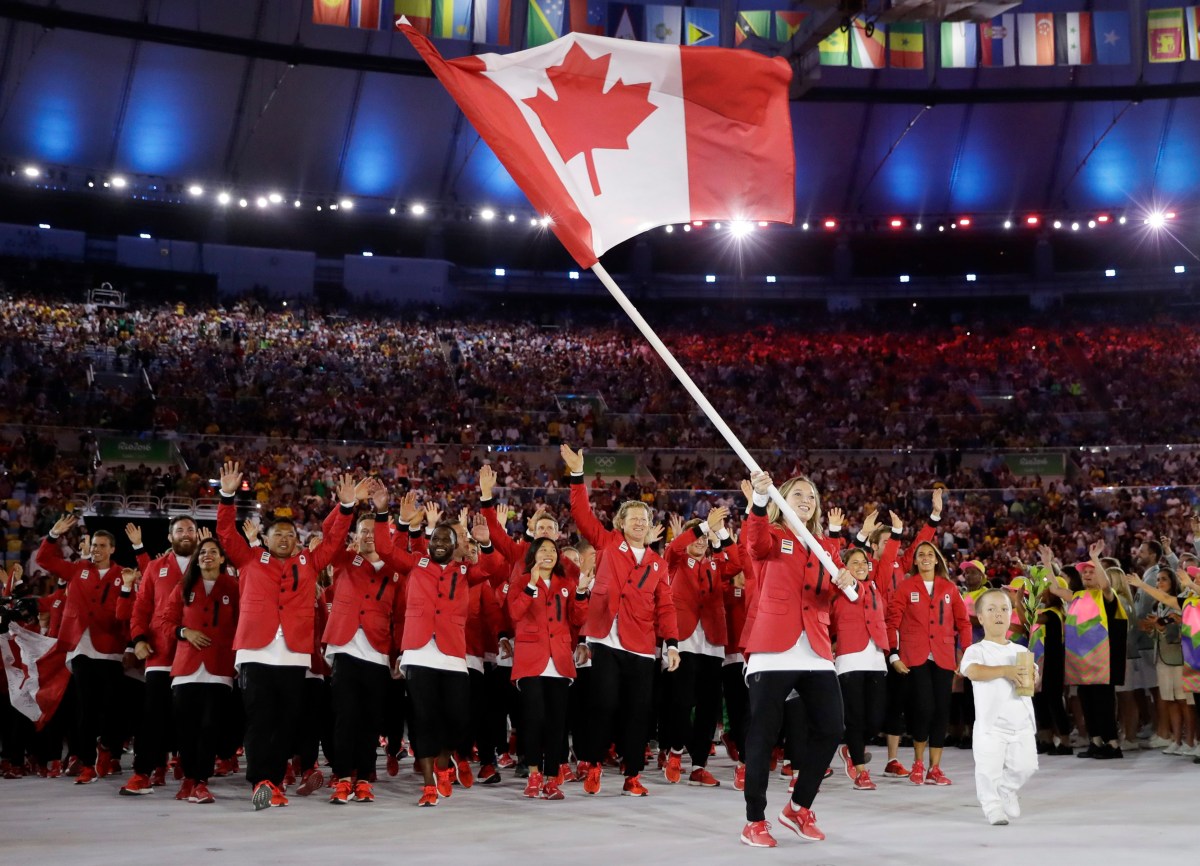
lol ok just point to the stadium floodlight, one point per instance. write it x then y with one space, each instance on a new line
32 171
487 213
195 190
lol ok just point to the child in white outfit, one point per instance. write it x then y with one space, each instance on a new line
1004 740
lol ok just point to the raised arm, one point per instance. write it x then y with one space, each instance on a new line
234 545
334 538
581 507
49 555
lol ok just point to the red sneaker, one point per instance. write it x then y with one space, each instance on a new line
828 773
634 787
505 761
786 769
363 792
895 768
935 776
591 782
175 766
565 774
159 777
342 792
264 793
731 748
550 790
463 774
852 773
739 778
445 781
917 774
102 765
312 780
278 798
429 796
74 768
673 768
700 777
393 765
862 782
201 794
801 821
776 757
612 759
533 785
757 834
114 766
185 790
86 776
137 784
488 775
225 767
54 769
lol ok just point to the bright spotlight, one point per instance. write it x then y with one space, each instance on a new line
243 203
1179 269
195 190
1110 272
223 198
533 222
417 209
367 254
805 226
831 224
43 225
710 278
1091 224
487 213
918 226
687 228
118 182
1058 224
1074 227
904 278
296 203
740 228
970 278
762 224
770 278
261 201
144 236
1008 224
32 171
573 275
392 211
347 204
670 229
1032 220
1121 220
544 221
500 272
1156 220
274 198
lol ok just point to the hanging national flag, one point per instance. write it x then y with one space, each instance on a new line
418 12
1073 39
335 12
664 24
866 52
626 21
835 48
35 667
452 19
787 24
960 45
906 45
998 41
544 22
366 14
1164 35
1111 31
748 24
1035 38
701 26
587 16
611 138
1192 14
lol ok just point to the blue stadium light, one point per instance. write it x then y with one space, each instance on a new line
1156 220
392 211
118 182
195 190
144 236
487 213
43 225
347 204
417 209
367 254
32 171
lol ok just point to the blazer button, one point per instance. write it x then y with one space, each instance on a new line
281 607
361 612
367 595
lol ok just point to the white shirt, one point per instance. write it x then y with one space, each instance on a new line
997 706
699 644
275 653
870 658
613 639
429 656
801 657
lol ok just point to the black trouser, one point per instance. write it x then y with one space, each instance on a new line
543 721
894 716
1049 704
232 731
200 709
928 709
395 711
273 696
48 742
1099 705
577 708
132 697
314 731
864 699
441 706
621 681
737 703
814 727
98 714
16 734
359 689
695 684
481 731
154 737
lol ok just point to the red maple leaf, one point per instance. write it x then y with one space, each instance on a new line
584 117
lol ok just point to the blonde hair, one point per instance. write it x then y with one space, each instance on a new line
1116 577
814 523
626 507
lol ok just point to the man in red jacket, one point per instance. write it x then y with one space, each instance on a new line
630 608
157 649
274 640
95 639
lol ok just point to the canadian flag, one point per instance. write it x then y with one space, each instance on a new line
35 667
609 138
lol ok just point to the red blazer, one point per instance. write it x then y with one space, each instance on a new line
54 604
215 614
91 601
159 579
438 598
856 621
888 576
639 594
918 625
542 620
698 588
794 593
277 592
365 598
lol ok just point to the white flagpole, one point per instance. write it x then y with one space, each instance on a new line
789 514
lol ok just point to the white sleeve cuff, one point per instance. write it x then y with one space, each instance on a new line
761 499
